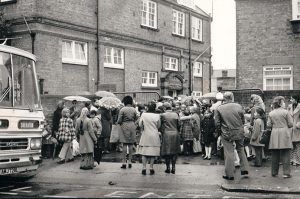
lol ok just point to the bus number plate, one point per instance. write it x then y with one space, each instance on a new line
9 171
26 125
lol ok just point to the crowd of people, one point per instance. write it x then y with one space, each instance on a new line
169 127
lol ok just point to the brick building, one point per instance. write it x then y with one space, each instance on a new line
117 45
224 78
268 44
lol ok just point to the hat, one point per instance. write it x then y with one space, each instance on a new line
167 105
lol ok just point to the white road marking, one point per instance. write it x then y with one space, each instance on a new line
21 190
9 193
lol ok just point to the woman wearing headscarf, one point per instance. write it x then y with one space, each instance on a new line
280 120
170 127
127 118
294 110
257 102
150 139
66 134
84 128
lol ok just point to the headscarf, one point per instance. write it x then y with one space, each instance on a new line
64 112
84 112
258 102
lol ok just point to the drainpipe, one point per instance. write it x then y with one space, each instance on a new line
32 35
98 46
190 59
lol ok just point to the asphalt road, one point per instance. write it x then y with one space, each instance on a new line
107 180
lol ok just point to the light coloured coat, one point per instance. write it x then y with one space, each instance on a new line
87 140
258 127
280 120
296 122
150 123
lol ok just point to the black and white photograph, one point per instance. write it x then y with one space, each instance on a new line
150 99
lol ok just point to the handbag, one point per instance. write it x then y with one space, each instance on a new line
265 137
196 146
115 133
75 148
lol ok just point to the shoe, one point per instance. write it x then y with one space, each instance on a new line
144 171
123 166
70 160
274 175
129 166
173 171
244 173
167 170
152 171
228 178
208 158
61 162
287 176
205 158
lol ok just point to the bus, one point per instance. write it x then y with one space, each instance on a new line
21 114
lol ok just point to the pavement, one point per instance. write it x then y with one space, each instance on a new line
191 173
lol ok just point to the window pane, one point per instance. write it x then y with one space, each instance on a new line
107 58
79 51
67 50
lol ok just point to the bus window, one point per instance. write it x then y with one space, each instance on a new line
25 89
5 80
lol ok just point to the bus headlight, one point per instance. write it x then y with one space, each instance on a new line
35 143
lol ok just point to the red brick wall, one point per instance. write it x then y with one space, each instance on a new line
264 37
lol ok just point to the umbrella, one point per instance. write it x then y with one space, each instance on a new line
209 96
167 97
97 152
109 102
77 98
104 94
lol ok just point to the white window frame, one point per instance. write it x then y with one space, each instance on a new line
149 9
197 93
147 76
197 28
198 69
178 19
74 59
171 63
110 52
277 69
295 9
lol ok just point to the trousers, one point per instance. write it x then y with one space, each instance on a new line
283 155
229 156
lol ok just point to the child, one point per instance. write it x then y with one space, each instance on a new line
208 129
247 134
258 127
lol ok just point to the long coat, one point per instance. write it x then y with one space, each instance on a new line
296 119
170 126
150 123
106 122
86 141
280 120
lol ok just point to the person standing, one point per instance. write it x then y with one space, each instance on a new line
55 125
106 128
229 120
150 139
74 111
127 118
208 130
280 120
84 128
294 110
66 134
258 128
170 127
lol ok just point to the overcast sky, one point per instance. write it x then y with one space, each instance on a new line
223 32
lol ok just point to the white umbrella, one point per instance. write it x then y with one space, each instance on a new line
77 98
109 102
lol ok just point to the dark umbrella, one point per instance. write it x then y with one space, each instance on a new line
97 152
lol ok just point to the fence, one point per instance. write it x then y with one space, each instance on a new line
140 97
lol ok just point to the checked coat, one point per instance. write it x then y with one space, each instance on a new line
66 130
